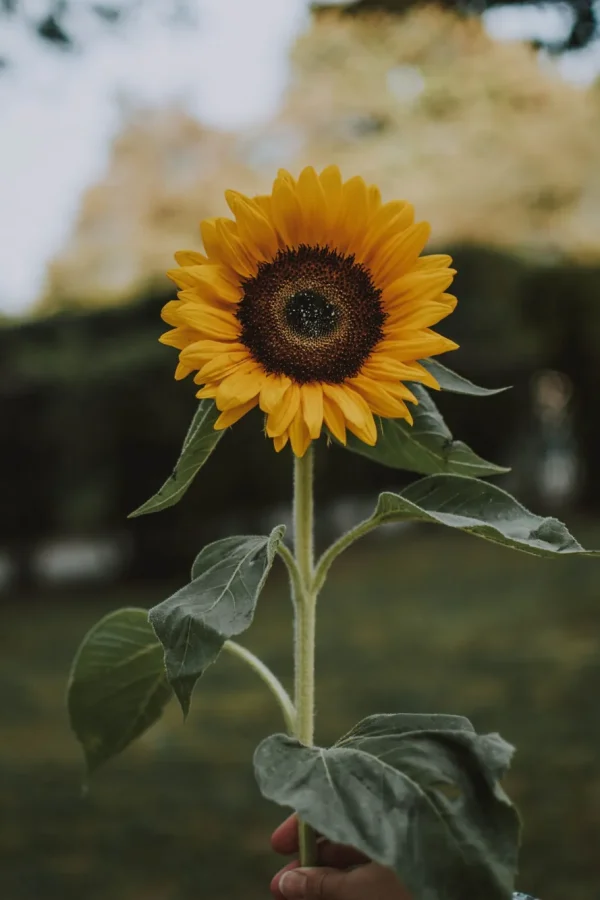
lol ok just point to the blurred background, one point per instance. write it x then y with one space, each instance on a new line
121 125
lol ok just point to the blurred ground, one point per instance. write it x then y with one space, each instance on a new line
414 621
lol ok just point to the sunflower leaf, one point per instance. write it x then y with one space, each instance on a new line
219 602
479 508
199 443
419 794
426 446
118 686
455 383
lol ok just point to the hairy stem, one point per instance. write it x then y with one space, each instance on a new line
293 571
305 617
338 547
270 679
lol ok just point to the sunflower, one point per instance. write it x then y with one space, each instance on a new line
312 303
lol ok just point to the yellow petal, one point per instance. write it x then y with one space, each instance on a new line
182 371
383 404
180 277
312 408
331 181
353 220
378 393
221 245
280 441
416 317
241 386
178 337
355 409
256 232
265 204
299 436
311 196
231 416
272 392
190 258
170 313
200 352
401 392
223 364
212 277
238 256
399 254
382 367
284 175
205 349
450 301
373 199
279 420
390 220
419 287
232 197
212 245
286 212
433 261
203 298
420 345
208 392
334 419
211 321
212 281
421 375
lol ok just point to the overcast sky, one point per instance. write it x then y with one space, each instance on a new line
227 63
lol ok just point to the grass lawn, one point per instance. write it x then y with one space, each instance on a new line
414 621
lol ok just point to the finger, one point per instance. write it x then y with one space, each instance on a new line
274 886
285 838
334 856
339 856
314 884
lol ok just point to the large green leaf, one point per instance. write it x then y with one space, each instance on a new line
199 443
426 446
420 794
118 685
457 384
481 509
219 602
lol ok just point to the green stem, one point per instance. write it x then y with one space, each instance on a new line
275 686
293 571
305 619
303 516
338 547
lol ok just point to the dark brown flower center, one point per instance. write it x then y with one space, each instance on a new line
312 314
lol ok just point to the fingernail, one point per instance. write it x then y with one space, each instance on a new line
293 885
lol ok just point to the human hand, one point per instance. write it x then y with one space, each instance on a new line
343 873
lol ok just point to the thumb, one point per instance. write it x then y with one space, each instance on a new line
315 884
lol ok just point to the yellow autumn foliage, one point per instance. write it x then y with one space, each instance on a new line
485 139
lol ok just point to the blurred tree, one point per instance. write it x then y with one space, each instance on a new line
96 418
583 29
58 21
68 24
